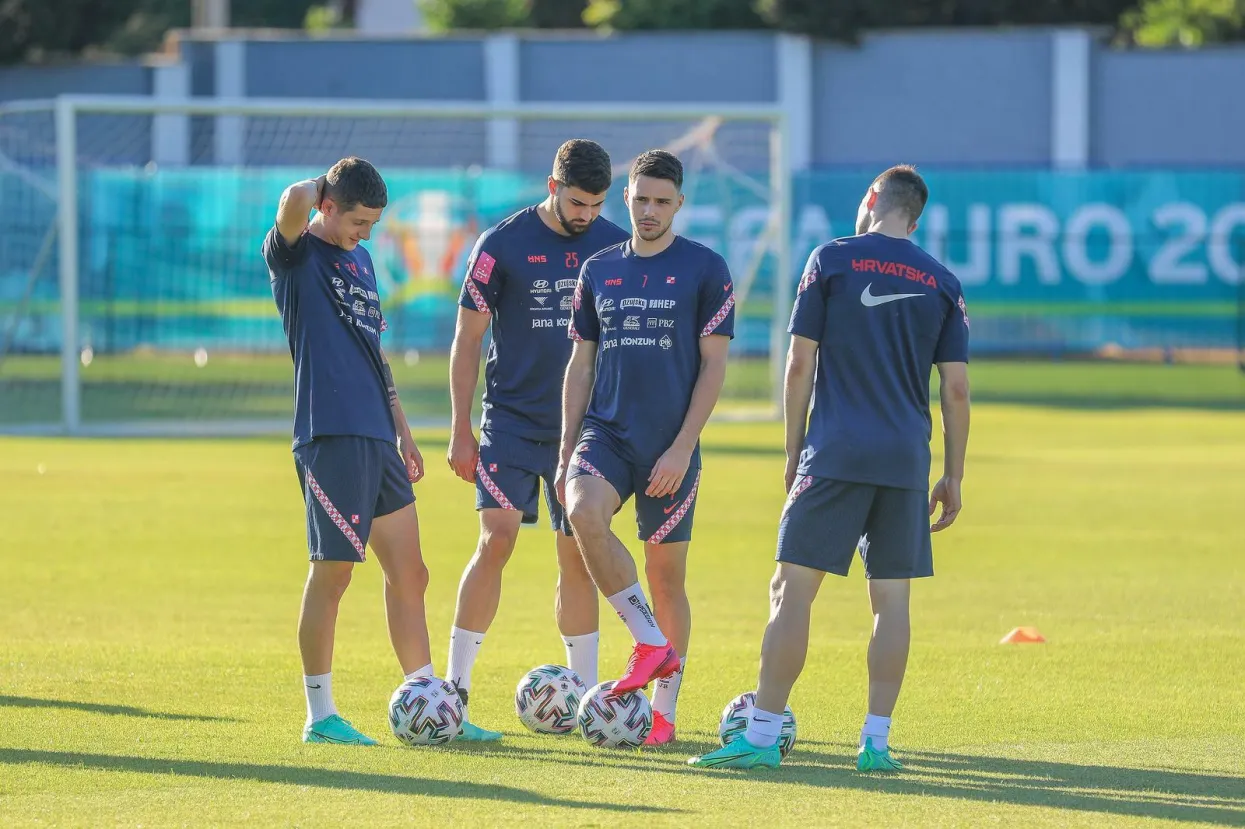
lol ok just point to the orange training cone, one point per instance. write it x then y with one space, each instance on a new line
1022 635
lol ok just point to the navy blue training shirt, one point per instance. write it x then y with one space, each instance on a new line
330 311
647 315
523 273
884 312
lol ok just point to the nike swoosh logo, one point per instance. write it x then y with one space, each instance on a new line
669 509
314 687
869 300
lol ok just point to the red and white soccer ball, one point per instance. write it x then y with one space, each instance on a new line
426 711
610 721
547 699
735 722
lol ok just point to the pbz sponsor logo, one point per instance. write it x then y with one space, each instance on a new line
654 322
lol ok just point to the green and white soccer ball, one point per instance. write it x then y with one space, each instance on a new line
735 717
547 699
610 721
425 711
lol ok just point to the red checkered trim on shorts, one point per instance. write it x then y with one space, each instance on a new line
673 520
802 483
719 316
579 461
477 297
493 489
335 516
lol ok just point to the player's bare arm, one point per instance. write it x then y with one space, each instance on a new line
954 394
294 209
410 452
576 391
797 393
464 449
670 469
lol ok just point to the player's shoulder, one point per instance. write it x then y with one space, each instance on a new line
516 224
609 232
612 253
926 261
699 252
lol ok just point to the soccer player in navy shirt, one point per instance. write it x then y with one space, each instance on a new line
873 315
520 280
353 450
652 321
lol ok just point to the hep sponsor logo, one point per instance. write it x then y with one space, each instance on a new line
662 303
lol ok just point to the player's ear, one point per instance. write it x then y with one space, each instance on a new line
627 196
553 186
912 229
679 204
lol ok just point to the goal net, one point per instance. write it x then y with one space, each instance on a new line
135 299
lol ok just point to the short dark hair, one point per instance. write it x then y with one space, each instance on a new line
352 182
901 188
658 164
583 164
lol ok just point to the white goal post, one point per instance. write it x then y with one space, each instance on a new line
114 188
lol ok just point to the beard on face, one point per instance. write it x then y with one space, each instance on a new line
567 225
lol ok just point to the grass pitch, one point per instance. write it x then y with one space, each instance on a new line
149 672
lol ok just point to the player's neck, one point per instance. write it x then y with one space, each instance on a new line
317 229
887 227
545 211
641 247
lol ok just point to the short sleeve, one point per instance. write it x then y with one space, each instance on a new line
280 256
584 325
953 339
808 315
715 312
484 279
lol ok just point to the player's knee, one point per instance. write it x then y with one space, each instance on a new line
330 579
889 597
496 545
411 579
665 577
587 518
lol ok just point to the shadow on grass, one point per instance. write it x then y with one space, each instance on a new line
305 776
101 708
1166 794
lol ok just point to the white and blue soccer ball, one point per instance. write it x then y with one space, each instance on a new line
425 711
609 721
735 718
547 699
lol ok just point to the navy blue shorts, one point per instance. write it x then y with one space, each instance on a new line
347 481
825 521
509 475
660 520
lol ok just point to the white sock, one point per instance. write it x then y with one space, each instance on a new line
666 697
581 656
319 690
877 729
424 671
763 728
637 615
464 647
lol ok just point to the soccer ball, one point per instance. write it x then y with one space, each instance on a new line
608 721
547 699
735 721
425 711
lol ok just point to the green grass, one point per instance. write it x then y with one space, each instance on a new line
164 386
149 673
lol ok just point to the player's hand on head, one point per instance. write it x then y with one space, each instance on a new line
463 455
668 472
947 493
